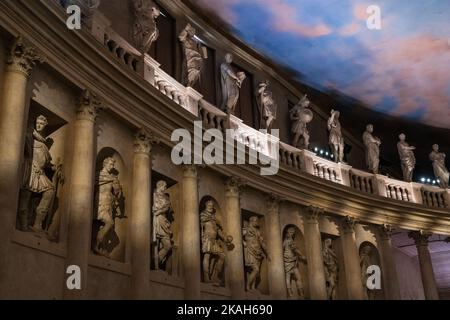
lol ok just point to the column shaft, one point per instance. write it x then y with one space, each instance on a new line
392 291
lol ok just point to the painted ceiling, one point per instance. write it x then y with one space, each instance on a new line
403 69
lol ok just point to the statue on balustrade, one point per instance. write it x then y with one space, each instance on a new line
41 178
194 53
255 251
365 264
162 225
407 158
267 106
440 171
331 269
300 116
372 144
213 241
145 30
336 139
231 82
292 259
109 197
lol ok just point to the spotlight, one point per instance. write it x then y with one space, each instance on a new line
326 153
428 180
321 151
434 181
316 149
423 180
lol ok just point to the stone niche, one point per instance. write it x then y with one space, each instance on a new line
110 197
299 242
36 211
172 265
373 259
262 281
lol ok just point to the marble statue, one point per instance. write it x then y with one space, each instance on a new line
194 53
440 171
255 251
407 158
145 30
300 116
365 264
336 139
292 258
231 82
109 195
162 225
267 106
331 269
372 149
213 239
36 177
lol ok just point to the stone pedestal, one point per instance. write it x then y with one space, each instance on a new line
389 269
426 266
313 245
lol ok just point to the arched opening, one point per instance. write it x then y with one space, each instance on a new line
370 265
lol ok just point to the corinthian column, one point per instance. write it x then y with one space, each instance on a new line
351 259
191 233
277 277
388 260
426 266
141 212
235 257
314 256
82 191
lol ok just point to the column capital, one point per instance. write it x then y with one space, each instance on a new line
144 139
88 106
234 186
348 224
385 231
273 202
190 171
420 237
313 213
23 57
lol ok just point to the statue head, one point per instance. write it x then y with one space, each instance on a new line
304 101
108 164
369 128
161 186
402 137
328 243
41 123
290 233
436 147
337 114
254 221
190 30
228 58
155 12
366 250
209 206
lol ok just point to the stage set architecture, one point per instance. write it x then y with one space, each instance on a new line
86 176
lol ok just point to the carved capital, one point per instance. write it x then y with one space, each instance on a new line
143 141
348 224
313 213
23 57
190 171
88 106
385 231
234 186
420 237
273 203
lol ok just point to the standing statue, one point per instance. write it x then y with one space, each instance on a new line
440 171
365 264
231 82
336 139
292 258
372 149
162 225
212 244
108 195
255 251
36 178
407 158
194 53
331 269
267 106
145 30
300 116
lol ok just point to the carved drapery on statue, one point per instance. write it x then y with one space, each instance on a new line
145 30
266 105
407 158
372 149
300 116
440 171
336 139
292 258
331 269
231 83
193 55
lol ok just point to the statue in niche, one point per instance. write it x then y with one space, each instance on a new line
331 269
41 178
372 149
267 106
440 171
365 264
407 158
255 251
300 116
162 225
231 82
212 245
109 195
292 258
194 53
336 139
145 30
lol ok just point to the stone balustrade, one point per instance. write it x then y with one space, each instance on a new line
363 181
211 116
434 197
